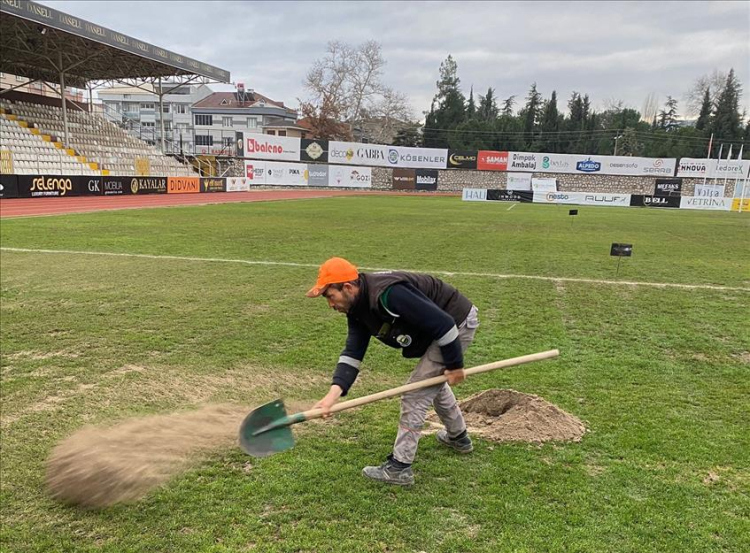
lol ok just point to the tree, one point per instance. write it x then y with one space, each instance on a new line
578 107
650 108
408 136
508 106
448 108
667 119
531 111
714 83
727 123
629 144
471 107
325 121
390 114
550 124
704 118
346 84
488 106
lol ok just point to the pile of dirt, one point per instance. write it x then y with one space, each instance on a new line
98 467
508 415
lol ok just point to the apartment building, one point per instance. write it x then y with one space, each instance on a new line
137 110
217 117
39 88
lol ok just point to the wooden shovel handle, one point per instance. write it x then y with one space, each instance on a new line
317 413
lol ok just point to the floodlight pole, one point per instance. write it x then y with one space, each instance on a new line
62 96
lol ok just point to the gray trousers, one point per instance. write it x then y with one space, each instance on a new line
414 405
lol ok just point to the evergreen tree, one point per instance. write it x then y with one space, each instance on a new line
550 124
408 136
576 122
471 107
488 106
508 106
451 106
727 123
668 116
531 113
704 118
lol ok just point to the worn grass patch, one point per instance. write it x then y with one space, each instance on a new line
658 376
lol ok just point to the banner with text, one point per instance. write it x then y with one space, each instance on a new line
474 195
713 168
183 185
462 159
378 155
237 184
709 190
518 181
510 195
213 184
265 146
544 185
668 187
404 179
580 164
349 177
148 185
636 200
582 198
700 202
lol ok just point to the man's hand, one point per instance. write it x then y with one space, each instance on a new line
455 376
329 400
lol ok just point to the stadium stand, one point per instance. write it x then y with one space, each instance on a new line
40 135
31 132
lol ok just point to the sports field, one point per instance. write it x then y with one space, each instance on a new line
190 306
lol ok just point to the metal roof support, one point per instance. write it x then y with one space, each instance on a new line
161 115
63 100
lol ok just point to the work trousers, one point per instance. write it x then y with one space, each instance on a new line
414 405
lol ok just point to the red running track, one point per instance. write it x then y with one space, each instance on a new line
30 207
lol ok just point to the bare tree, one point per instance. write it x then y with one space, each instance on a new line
347 83
714 82
614 105
389 115
650 108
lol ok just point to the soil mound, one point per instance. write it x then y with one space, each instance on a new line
508 415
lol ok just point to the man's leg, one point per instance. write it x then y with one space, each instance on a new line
414 405
445 403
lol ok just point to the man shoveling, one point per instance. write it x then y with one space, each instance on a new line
424 317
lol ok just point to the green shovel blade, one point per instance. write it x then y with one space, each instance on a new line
266 431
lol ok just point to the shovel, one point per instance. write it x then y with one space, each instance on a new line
266 431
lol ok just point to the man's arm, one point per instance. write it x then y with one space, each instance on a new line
348 365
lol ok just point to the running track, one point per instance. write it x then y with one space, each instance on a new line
30 207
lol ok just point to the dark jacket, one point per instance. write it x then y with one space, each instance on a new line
407 311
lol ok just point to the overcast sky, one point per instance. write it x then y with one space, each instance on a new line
609 50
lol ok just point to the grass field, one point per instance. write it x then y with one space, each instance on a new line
659 375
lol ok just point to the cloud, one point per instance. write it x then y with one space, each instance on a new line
622 50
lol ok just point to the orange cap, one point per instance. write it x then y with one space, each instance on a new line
333 271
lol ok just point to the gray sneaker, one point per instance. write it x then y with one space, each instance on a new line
463 445
390 474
